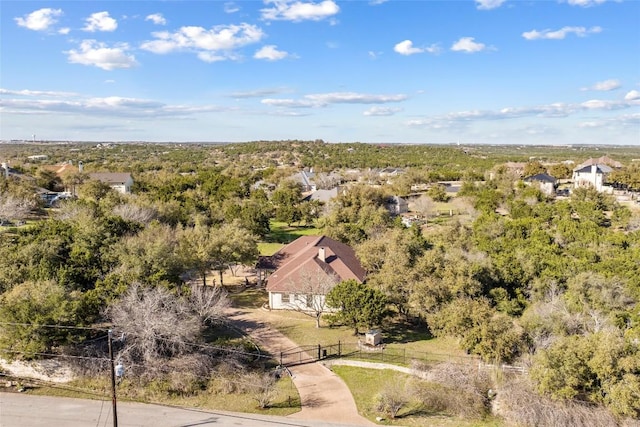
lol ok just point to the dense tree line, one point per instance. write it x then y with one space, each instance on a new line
551 283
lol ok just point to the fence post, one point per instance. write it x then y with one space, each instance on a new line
280 358
319 351
339 349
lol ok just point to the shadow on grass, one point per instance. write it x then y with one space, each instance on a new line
400 331
290 402
283 233
247 297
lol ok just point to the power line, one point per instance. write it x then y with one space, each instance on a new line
33 353
89 328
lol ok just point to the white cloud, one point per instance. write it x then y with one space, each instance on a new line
555 110
216 44
156 18
353 98
297 11
381 111
468 45
633 95
585 3
270 53
26 92
100 21
259 93
39 20
489 4
406 48
64 31
289 103
604 86
231 7
100 55
111 106
377 2
325 99
561 33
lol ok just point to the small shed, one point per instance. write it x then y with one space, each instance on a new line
373 337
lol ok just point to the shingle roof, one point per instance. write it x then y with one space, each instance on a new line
111 177
599 168
541 177
302 255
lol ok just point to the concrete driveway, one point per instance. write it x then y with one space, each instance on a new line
324 396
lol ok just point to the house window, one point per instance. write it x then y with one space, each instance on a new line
309 301
286 298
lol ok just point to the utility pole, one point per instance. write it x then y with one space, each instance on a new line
113 383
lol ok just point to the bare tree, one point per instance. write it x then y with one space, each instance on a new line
13 207
423 206
393 397
155 322
314 285
209 303
133 212
262 387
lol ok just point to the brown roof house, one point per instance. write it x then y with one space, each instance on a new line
307 269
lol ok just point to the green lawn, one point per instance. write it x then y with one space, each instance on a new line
365 384
398 337
283 233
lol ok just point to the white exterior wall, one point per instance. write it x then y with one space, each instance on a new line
124 188
297 301
586 179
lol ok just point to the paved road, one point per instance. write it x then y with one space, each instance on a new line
21 410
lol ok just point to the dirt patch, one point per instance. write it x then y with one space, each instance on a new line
45 370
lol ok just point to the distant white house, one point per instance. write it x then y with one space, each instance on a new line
593 175
119 181
546 183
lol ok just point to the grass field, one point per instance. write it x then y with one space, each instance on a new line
365 384
287 400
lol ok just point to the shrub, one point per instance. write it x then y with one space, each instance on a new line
392 399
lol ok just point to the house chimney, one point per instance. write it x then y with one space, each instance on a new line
80 166
6 170
322 256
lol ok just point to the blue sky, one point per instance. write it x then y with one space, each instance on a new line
473 72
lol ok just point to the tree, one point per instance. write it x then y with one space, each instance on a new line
358 305
25 309
315 284
208 303
155 322
533 168
151 256
262 387
14 207
392 398
438 193
286 199
423 206
204 248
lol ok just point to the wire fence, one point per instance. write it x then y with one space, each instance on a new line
382 354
